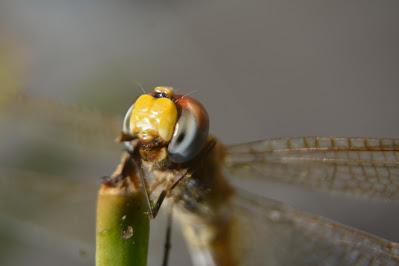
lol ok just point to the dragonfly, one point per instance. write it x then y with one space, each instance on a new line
222 224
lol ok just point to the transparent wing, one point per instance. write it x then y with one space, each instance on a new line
58 121
266 232
47 207
287 236
58 153
50 212
365 167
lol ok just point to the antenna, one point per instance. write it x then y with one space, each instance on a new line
186 95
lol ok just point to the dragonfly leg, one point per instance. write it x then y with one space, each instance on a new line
197 162
153 210
167 245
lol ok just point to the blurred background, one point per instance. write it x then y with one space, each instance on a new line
262 69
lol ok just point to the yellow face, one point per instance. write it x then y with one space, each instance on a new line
154 117
174 123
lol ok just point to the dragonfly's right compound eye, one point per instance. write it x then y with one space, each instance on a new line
126 127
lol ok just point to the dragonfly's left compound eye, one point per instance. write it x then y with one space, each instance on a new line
190 133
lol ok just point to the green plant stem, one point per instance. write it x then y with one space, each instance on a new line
122 227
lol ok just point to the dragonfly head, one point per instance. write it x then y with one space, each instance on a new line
164 120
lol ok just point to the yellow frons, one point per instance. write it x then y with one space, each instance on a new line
154 117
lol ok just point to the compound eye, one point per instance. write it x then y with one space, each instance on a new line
126 127
190 133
